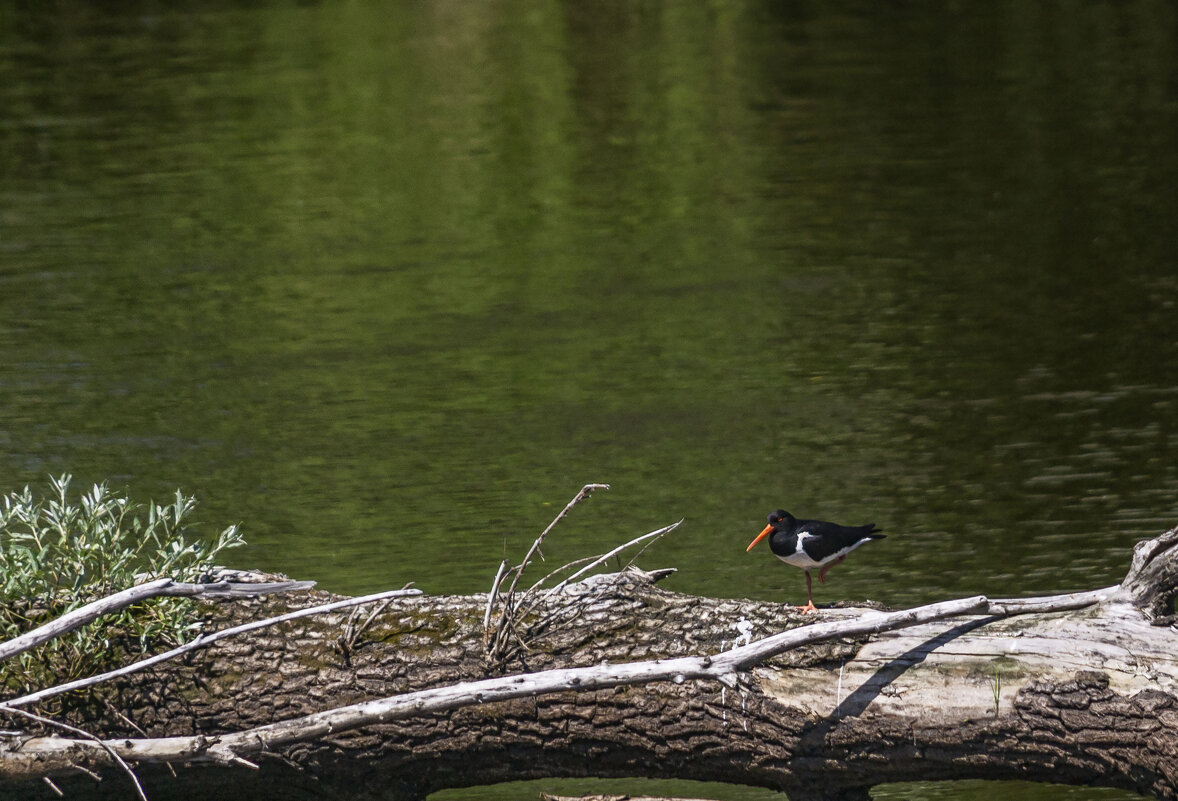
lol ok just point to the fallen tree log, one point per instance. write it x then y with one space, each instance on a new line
1077 689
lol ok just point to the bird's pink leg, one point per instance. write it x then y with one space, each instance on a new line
822 573
809 607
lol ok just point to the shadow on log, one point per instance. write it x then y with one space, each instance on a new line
1077 689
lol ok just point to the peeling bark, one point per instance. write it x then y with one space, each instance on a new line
1083 696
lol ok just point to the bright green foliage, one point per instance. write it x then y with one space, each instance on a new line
56 555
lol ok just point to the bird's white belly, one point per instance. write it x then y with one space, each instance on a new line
799 559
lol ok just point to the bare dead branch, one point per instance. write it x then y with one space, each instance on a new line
93 774
496 642
606 556
201 641
500 652
569 566
133 595
88 738
585 492
494 593
559 618
1054 603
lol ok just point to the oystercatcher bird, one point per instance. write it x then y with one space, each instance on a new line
812 543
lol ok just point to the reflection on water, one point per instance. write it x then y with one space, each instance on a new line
388 285
924 791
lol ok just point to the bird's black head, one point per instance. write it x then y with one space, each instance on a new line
780 516
776 519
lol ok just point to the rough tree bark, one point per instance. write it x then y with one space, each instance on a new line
1086 696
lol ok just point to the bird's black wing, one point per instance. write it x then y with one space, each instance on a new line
830 539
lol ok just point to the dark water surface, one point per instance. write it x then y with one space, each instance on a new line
387 283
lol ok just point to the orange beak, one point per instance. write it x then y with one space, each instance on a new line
760 537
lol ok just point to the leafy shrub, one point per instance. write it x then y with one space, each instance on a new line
57 555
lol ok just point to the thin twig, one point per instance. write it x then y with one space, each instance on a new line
495 646
93 774
605 557
132 724
122 763
1053 603
585 492
551 621
111 708
200 642
561 569
653 537
493 593
81 616
375 613
353 632
344 641
133 595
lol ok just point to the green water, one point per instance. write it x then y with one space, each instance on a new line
388 282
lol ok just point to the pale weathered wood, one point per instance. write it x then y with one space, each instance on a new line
1152 581
228 748
1079 689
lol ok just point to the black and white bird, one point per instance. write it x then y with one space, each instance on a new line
812 543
